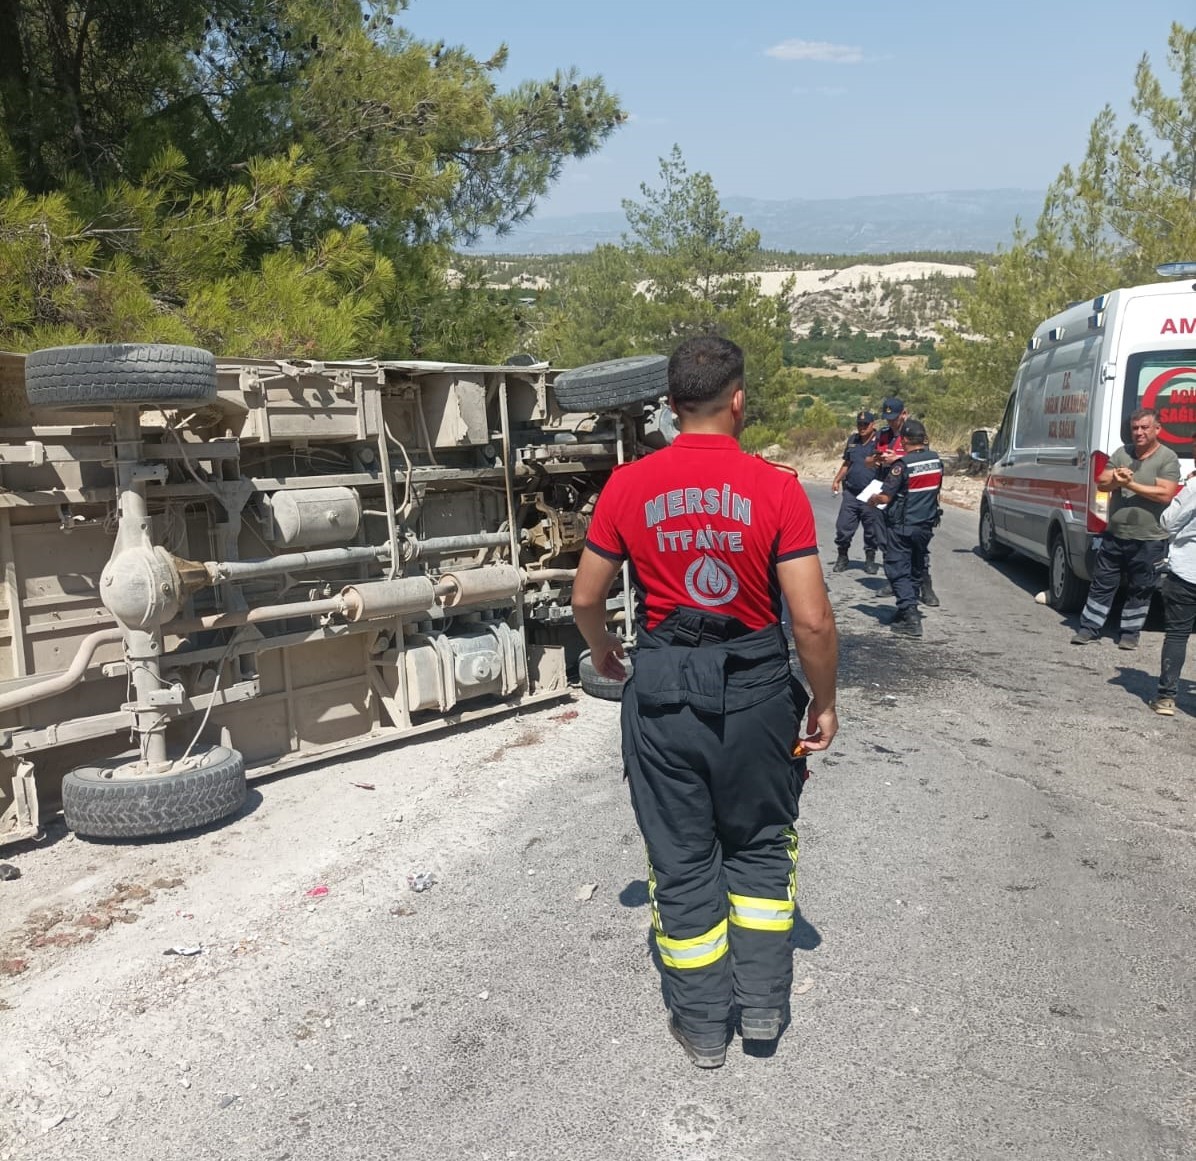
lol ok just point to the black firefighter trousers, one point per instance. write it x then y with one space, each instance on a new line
716 795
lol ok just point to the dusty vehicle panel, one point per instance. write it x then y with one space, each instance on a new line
315 557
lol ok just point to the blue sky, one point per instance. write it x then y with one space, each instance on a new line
787 99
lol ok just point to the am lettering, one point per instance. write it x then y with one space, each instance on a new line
1183 326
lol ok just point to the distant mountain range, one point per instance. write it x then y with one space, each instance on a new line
877 224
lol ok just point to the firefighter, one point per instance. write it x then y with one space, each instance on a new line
711 715
910 499
853 477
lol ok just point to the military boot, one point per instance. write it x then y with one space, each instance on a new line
842 563
929 598
870 565
908 624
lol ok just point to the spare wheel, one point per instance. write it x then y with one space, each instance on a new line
116 374
112 800
613 384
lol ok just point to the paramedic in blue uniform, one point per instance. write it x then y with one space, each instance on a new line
910 499
853 476
712 718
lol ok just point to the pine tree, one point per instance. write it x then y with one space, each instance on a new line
1129 205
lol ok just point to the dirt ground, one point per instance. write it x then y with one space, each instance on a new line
95 935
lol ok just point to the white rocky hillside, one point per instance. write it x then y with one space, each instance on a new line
907 297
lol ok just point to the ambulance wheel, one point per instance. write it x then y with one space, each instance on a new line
1065 591
119 374
597 684
990 547
613 384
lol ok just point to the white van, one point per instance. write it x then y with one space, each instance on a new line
1084 371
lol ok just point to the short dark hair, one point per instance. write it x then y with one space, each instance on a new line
914 431
701 369
1144 413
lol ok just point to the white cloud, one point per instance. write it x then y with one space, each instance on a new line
816 50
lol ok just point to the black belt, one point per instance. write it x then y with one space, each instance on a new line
695 628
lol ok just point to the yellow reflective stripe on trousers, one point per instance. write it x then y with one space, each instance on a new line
791 835
701 951
652 897
761 914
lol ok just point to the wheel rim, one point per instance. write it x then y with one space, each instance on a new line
113 772
986 530
1058 570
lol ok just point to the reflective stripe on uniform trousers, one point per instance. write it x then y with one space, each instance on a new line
1096 611
769 914
700 951
761 914
1133 615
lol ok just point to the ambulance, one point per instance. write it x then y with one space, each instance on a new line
1084 371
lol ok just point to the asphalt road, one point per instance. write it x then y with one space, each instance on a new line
994 957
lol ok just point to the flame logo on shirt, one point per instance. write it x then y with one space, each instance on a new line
711 582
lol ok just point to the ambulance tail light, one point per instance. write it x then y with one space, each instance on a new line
1098 506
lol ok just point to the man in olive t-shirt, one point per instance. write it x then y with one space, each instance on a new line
1142 477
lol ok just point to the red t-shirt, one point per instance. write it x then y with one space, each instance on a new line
703 525
887 441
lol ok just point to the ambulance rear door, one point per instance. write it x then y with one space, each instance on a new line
1156 362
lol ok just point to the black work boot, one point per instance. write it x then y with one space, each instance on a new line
870 565
763 1023
842 563
909 623
708 1050
929 598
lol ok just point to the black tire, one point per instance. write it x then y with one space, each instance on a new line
101 802
990 547
1066 593
613 384
597 685
116 374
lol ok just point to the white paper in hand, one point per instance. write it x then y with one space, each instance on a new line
869 491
